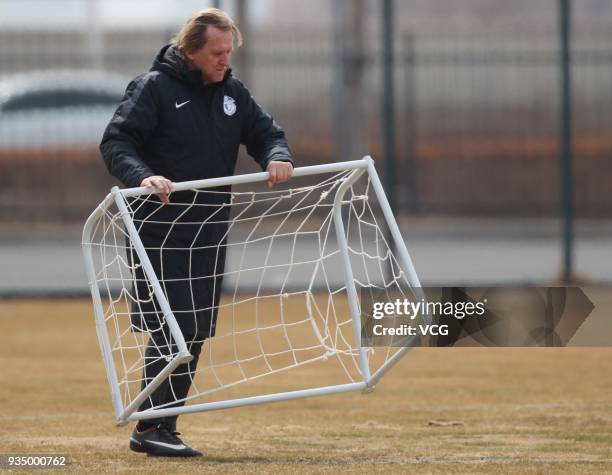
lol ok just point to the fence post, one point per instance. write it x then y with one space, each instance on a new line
566 158
388 109
408 136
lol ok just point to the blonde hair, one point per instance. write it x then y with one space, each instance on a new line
193 34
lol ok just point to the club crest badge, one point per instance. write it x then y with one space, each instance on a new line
229 105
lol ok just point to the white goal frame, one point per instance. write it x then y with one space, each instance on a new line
129 412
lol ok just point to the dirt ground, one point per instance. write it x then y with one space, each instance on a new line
457 410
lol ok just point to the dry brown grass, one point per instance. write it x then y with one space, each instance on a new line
515 411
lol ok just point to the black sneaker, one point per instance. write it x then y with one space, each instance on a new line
160 441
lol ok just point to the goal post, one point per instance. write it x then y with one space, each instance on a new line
299 257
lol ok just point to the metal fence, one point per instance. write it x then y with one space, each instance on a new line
478 117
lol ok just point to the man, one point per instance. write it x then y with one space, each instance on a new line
185 120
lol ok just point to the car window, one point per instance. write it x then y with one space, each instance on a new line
59 99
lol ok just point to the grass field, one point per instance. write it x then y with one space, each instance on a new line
458 410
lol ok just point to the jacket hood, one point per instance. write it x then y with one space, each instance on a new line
171 61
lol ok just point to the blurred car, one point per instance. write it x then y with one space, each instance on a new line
57 108
51 124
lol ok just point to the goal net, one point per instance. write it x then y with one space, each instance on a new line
264 283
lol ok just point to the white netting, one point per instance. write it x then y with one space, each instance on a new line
284 302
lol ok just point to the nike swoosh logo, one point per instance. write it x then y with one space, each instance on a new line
178 106
168 446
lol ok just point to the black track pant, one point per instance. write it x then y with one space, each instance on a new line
170 392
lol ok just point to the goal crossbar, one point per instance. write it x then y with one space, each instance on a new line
253 177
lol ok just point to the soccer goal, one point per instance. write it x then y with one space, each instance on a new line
286 322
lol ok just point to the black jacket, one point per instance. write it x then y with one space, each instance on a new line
169 124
